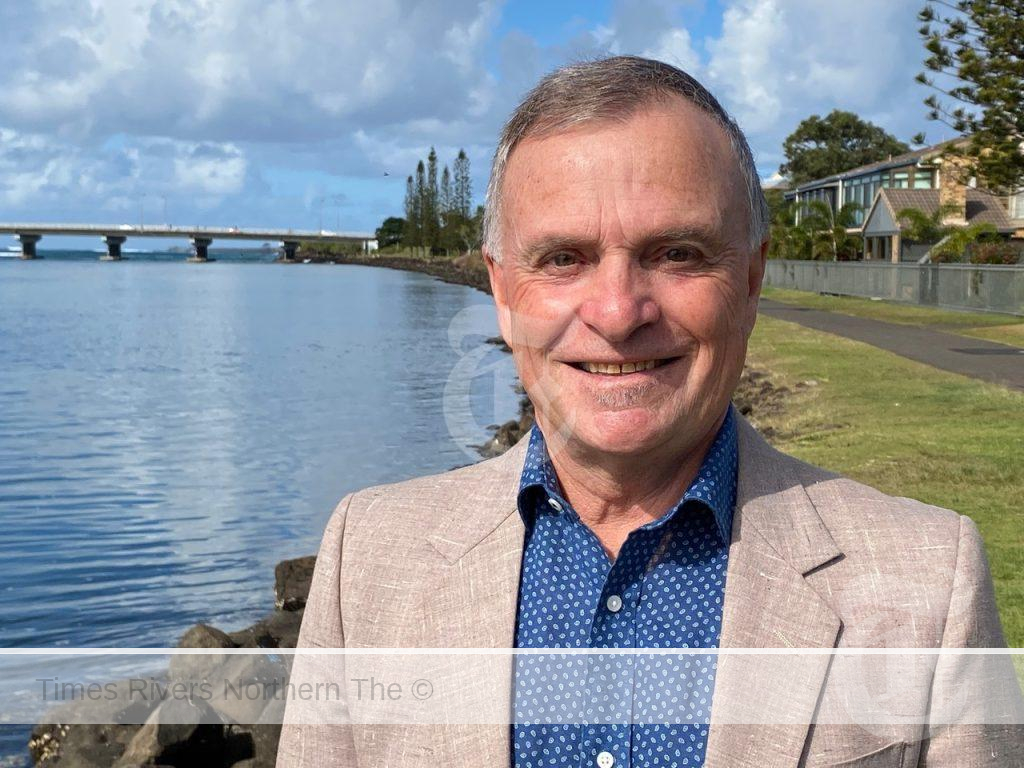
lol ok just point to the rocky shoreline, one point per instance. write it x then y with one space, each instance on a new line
144 733
213 738
467 269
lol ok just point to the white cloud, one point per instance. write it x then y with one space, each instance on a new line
237 70
674 47
38 169
200 99
777 62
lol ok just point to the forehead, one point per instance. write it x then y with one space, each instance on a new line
668 165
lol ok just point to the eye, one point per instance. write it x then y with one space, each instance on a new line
681 253
562 259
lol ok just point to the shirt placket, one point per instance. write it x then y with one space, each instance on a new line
607 732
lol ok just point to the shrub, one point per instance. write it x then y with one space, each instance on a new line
995 253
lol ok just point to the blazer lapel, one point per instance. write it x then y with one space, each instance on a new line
763 704
471 603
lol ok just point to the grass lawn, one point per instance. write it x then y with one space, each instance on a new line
1006 329
908 430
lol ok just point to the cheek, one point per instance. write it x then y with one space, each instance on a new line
538 318
712 313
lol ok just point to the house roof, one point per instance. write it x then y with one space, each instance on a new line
896 161
982 207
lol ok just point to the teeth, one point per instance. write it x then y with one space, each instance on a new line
615 369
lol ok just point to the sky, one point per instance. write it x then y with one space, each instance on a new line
309 114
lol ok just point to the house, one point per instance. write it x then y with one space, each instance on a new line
882 230
914 179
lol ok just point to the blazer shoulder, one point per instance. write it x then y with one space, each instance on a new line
418 494
840 501
402 517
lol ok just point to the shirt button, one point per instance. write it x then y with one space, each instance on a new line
614 603
605 760
553 503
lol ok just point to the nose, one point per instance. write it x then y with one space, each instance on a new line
618 299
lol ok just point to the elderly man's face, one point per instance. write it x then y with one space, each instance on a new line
627 287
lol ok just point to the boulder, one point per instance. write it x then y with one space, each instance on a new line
279 629
197 667
180 732
88 734
291 582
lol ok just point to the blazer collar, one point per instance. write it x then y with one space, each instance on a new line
770 498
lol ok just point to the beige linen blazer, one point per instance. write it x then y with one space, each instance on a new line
816 561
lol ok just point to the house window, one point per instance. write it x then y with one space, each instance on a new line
1017 205
900 180
923 179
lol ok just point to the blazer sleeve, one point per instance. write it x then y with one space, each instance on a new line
976 708
306 740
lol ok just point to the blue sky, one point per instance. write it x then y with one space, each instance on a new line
295 114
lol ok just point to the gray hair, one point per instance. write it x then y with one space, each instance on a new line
610 88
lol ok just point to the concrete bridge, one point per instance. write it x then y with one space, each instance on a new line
115 235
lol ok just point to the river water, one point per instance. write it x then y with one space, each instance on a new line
169 431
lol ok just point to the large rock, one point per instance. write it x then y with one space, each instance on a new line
79 746
198 667
90 734
291 582
279 629
180 732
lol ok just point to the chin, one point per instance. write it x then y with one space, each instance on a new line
627 432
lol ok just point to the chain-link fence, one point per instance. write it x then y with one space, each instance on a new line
982 288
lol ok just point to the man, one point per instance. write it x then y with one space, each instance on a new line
625 237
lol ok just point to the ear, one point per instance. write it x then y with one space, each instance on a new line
755 277
496 274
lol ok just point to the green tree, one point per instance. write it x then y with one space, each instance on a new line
447 215
469 230
445 198
952 241
828 230
976 48
822 146
431 212
921 227
422 209
957 243
462 191
788 240
390 232
411 233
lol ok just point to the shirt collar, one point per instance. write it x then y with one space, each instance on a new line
714 486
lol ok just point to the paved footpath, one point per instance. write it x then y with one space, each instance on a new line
978 358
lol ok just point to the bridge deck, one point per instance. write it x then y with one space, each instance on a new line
164 230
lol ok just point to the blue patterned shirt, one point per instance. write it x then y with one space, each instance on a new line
664 590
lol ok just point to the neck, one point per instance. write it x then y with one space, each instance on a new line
614 495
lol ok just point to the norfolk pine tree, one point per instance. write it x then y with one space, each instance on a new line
976 49
431 229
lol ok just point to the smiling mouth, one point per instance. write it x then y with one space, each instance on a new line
619 369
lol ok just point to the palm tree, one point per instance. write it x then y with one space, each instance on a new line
922 227
954 246
788 240
828 228
951 241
